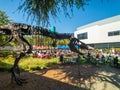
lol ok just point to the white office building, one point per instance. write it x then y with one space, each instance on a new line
101 34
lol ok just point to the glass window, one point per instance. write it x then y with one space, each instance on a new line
82 36
110 33
114 33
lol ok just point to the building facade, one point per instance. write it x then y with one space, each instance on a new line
101 34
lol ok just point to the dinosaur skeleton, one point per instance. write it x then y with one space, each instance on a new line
18 30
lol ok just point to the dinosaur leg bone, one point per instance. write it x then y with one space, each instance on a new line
15 69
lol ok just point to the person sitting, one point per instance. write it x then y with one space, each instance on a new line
47 55
97 58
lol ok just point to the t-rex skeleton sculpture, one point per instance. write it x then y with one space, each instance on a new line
18 30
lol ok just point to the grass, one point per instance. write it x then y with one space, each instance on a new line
30 63
27 63
6 63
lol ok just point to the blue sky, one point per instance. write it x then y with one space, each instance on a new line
94 11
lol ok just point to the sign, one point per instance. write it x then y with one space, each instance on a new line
52 29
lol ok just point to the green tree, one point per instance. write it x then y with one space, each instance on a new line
63 42
4 19
40 11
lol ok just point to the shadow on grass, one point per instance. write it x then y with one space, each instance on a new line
66 77
36 81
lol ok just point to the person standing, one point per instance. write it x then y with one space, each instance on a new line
61 58
88 57
115 61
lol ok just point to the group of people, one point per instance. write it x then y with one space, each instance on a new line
53 53
43 54
65 53
99 57
102 58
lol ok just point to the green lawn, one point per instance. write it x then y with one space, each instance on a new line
30 63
